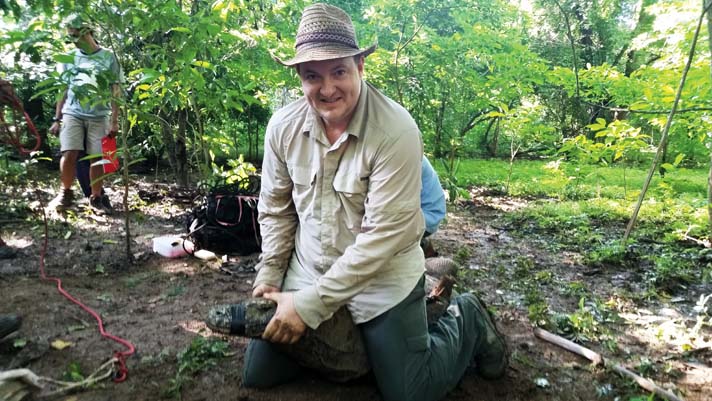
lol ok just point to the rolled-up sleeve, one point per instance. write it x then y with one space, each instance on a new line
277 214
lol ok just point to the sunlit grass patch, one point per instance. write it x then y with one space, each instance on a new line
586 209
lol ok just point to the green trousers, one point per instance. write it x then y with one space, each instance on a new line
410 360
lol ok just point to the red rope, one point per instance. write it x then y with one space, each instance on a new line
120 356
8 98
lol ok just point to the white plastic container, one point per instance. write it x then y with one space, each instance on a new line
171 247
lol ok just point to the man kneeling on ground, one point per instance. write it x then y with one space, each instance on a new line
341 224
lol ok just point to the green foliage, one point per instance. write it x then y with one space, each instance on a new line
586 324
449 181
238 171
200 355
484 75
671 270
74 373
575 289
609 254
537 307
462 256
13 172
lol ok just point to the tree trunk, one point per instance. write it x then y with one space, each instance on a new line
168 140
586 35
181 153
707 4
439 122
485 139
495 141
572 42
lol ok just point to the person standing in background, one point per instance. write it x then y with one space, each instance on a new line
82 120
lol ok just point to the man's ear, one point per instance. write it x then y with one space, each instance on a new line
359 65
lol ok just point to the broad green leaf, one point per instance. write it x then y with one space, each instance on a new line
203 64
495 114
179 29
678 159
64 58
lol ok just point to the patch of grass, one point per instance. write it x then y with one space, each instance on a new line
462 256
175 291
646 367
200 355
544 277
586 323
584 181
608 254
537 307
671 270
523 266
136 279
73 373
575 289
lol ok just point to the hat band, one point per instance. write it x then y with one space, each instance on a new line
325 37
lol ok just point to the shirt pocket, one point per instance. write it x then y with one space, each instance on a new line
303 179
351 193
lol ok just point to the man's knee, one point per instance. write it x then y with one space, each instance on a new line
266 367
70 155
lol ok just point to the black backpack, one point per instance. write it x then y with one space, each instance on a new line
225 220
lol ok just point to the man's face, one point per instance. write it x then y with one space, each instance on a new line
77 36
332 88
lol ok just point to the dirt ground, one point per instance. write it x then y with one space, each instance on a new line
159 305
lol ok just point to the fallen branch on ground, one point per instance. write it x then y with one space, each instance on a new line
598 359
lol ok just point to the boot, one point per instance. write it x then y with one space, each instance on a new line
438 299
9 324
439 267
6 252
440 276
63 201
491 356
248 318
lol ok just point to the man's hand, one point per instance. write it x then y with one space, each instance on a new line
286 326
262 289
54 129
113 129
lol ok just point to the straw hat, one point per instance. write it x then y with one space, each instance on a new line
325 33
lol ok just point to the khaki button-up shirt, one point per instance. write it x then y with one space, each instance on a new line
341 223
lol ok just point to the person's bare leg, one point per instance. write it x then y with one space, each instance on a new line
94 173
68 168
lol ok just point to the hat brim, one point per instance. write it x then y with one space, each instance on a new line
325 52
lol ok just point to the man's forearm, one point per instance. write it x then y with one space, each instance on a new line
58 108
277 245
